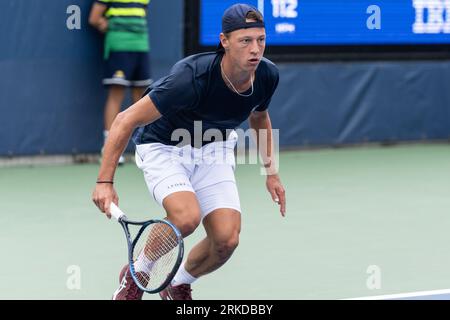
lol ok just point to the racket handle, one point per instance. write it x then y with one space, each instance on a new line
115 211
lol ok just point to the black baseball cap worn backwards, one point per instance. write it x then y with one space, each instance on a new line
234 18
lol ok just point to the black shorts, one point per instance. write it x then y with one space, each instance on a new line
130 69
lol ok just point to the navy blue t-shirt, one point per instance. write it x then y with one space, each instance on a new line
195 91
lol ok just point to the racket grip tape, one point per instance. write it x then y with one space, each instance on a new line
115 211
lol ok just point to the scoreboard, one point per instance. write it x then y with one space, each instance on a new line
296 25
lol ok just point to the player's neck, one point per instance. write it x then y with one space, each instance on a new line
240 78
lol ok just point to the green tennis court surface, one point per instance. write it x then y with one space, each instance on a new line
360 222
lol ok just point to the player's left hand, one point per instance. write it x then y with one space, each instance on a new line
277 192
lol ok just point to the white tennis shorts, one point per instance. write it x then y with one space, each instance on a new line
208 172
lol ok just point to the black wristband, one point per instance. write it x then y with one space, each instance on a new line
101 181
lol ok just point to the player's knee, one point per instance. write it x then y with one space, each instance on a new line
185 216
186 220
187 227
225 248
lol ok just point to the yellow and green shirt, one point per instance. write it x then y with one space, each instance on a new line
127 26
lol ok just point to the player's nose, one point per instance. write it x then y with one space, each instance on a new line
254 49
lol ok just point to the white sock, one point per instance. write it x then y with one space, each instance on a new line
182 277
143 264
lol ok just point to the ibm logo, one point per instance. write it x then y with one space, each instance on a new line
432 16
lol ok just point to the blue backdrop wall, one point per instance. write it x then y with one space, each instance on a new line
51 97
347 103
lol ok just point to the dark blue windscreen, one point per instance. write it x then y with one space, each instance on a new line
339 22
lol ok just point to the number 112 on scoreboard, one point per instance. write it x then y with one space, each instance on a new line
282 8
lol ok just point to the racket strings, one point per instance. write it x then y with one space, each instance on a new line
155 255
160 241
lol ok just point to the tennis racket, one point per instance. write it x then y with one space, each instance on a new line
154 254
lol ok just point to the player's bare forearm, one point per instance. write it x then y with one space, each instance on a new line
260 122
118 137
139 114
104 192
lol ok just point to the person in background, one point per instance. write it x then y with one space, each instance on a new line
126 52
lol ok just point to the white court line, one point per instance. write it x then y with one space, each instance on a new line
404 295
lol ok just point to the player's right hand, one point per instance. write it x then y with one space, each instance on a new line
103 195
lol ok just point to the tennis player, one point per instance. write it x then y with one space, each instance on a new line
185 138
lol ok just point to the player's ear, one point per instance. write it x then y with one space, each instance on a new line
224 41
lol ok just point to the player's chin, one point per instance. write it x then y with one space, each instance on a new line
252 64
